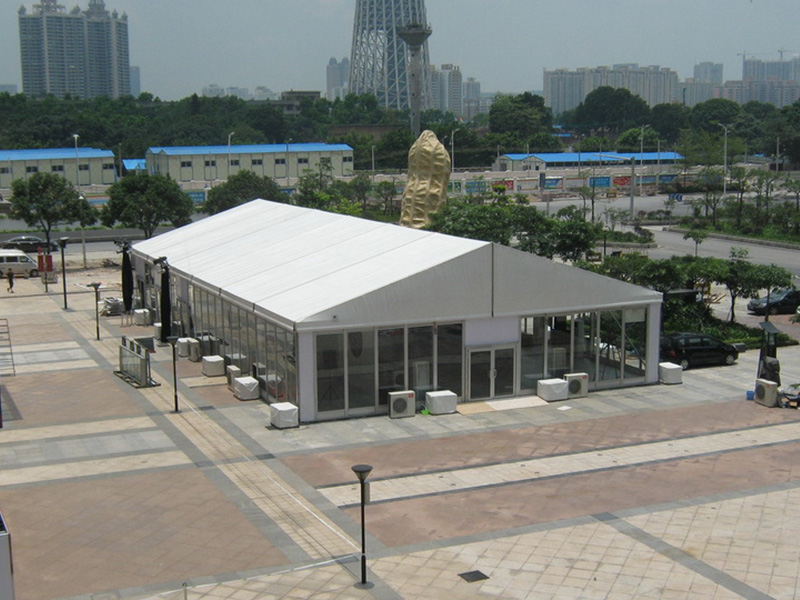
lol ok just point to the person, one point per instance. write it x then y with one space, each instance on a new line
10 277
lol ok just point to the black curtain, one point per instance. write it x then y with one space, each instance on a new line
166 306
127 281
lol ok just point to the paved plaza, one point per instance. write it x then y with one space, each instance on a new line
673 492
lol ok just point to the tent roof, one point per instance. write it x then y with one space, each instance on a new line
313 269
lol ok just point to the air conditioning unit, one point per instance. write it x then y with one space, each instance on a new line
577 384
766 392
402 404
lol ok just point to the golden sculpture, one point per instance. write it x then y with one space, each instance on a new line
428 176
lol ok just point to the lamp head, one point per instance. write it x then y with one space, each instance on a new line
362 471
62 241
160 261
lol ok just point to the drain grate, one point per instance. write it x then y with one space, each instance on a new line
473 576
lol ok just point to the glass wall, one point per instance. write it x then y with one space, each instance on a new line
259 347
611 346
380 361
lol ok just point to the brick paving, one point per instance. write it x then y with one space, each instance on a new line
663 491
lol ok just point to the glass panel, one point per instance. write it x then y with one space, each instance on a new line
504 369
449 346
291 369
559 345
361 369
420 359
584 344
280 363
259 368
635 343
610 344
532 352
391 363
480 364
330 372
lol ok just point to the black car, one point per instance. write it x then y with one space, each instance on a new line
691 349
29 244
782 301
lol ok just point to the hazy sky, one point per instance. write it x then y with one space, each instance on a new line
183 45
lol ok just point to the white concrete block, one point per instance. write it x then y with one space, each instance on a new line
441 402
551 390
246 388
670 373
213 366
284 415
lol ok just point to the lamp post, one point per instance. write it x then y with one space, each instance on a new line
95 285
724 160
172 339
641 156
289 141
453 150
62 242
362 472
373 163
230 135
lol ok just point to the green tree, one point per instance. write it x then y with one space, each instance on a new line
242 187
611 110
668 120
386 192
523 115
631 140
145 201
46 200
709 115
698 236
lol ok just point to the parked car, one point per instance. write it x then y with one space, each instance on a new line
689 349
781 301
29 243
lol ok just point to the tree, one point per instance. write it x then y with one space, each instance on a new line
386 191
631 140
242 187
698 236
523 115
668 120
612 110
145 201
46 200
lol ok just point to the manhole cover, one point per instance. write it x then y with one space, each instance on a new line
473 576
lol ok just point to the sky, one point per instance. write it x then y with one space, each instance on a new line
183 45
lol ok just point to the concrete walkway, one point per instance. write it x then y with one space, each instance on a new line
685 491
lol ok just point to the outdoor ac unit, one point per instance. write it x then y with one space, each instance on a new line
578 384
402 404
766 392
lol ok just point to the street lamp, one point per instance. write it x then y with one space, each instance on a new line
362 472
453 150
172 339
724 160
641 156
95 285
62 242
230 135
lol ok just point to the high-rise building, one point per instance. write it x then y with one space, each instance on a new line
447 90
379 60
337 75
80 53
136 82
564 90
708 72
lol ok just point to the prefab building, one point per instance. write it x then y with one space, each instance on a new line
277 161
332 312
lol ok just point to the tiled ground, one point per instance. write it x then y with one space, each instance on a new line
658 492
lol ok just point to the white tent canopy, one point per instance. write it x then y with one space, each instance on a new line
314 270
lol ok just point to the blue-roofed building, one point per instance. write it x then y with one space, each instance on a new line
542 161
278 161
80 166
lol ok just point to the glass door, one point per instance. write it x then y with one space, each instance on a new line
491 373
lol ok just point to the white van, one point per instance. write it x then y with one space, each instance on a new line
19 262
